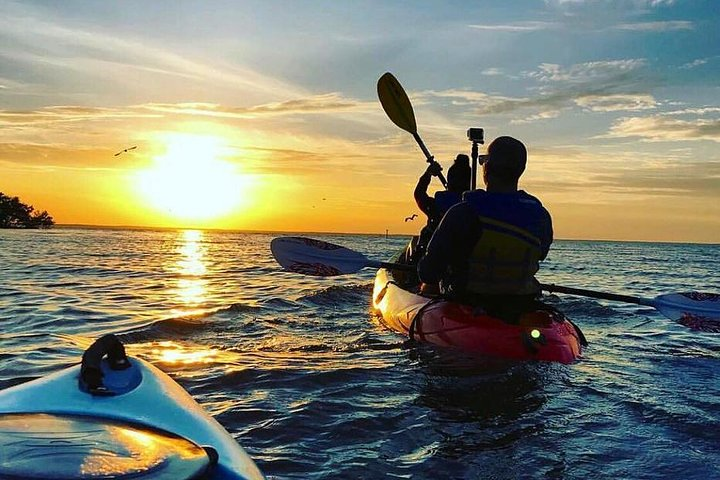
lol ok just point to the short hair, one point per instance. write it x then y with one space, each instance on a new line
506 158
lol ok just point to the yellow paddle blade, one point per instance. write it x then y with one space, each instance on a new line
396 103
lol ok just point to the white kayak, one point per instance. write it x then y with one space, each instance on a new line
140 425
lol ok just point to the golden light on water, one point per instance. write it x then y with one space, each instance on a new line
192 285
169 352
191 262
191 181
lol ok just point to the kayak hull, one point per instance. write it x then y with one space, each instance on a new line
156 401
544 335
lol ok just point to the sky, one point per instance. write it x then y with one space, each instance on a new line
263 115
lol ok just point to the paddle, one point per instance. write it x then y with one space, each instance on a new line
398 108
322 259
316 257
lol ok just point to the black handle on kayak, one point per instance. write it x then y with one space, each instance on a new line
91 371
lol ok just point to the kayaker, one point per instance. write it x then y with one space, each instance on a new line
458 181
487 249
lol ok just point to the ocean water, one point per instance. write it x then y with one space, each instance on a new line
304 376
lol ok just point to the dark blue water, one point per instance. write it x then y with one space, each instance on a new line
300 371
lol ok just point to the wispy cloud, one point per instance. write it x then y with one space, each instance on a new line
30 156
66 113
585 72
602 86
323 103
617 102
606 3
662 128
528 26
697 111
666 26
546 115
492 72
695 63
32 39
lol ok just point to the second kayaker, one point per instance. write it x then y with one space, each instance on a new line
487 249
434 207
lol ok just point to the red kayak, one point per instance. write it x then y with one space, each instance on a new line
543 334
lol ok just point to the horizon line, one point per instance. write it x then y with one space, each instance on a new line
236 230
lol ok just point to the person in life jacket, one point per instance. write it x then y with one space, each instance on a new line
458 181
487 249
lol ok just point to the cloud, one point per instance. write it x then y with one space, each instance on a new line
65 113
322 103
462 97
617 102
698 111
29 36
597 174
546 115
666 26
663 129
491 72
600 86
585 72
528 26
614 3
694 63
52 156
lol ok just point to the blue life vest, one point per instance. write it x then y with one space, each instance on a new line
516 235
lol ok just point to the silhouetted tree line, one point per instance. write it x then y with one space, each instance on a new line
15 214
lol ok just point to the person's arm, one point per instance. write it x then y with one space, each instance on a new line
547 237
422 199
443 245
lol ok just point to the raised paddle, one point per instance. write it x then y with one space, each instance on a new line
397 105
316 257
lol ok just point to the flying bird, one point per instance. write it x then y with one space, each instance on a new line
411 217
126 150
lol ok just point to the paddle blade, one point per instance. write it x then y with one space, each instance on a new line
315 257
699 311
396 103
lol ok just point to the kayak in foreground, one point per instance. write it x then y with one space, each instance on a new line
114 417
544 334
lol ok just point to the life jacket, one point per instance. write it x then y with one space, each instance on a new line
445 199
507 254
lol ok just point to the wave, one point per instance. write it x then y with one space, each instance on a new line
339 294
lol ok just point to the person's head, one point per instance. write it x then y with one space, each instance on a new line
459 174
505 162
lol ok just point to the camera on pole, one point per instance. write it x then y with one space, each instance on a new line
476 136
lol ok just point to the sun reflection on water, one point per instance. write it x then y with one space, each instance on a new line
192 285
174 353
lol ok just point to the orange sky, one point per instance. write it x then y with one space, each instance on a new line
279 128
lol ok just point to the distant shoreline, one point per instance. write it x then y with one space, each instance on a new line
366 234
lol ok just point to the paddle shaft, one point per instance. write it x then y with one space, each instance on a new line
428 156
594 294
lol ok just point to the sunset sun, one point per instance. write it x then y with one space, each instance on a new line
191 181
